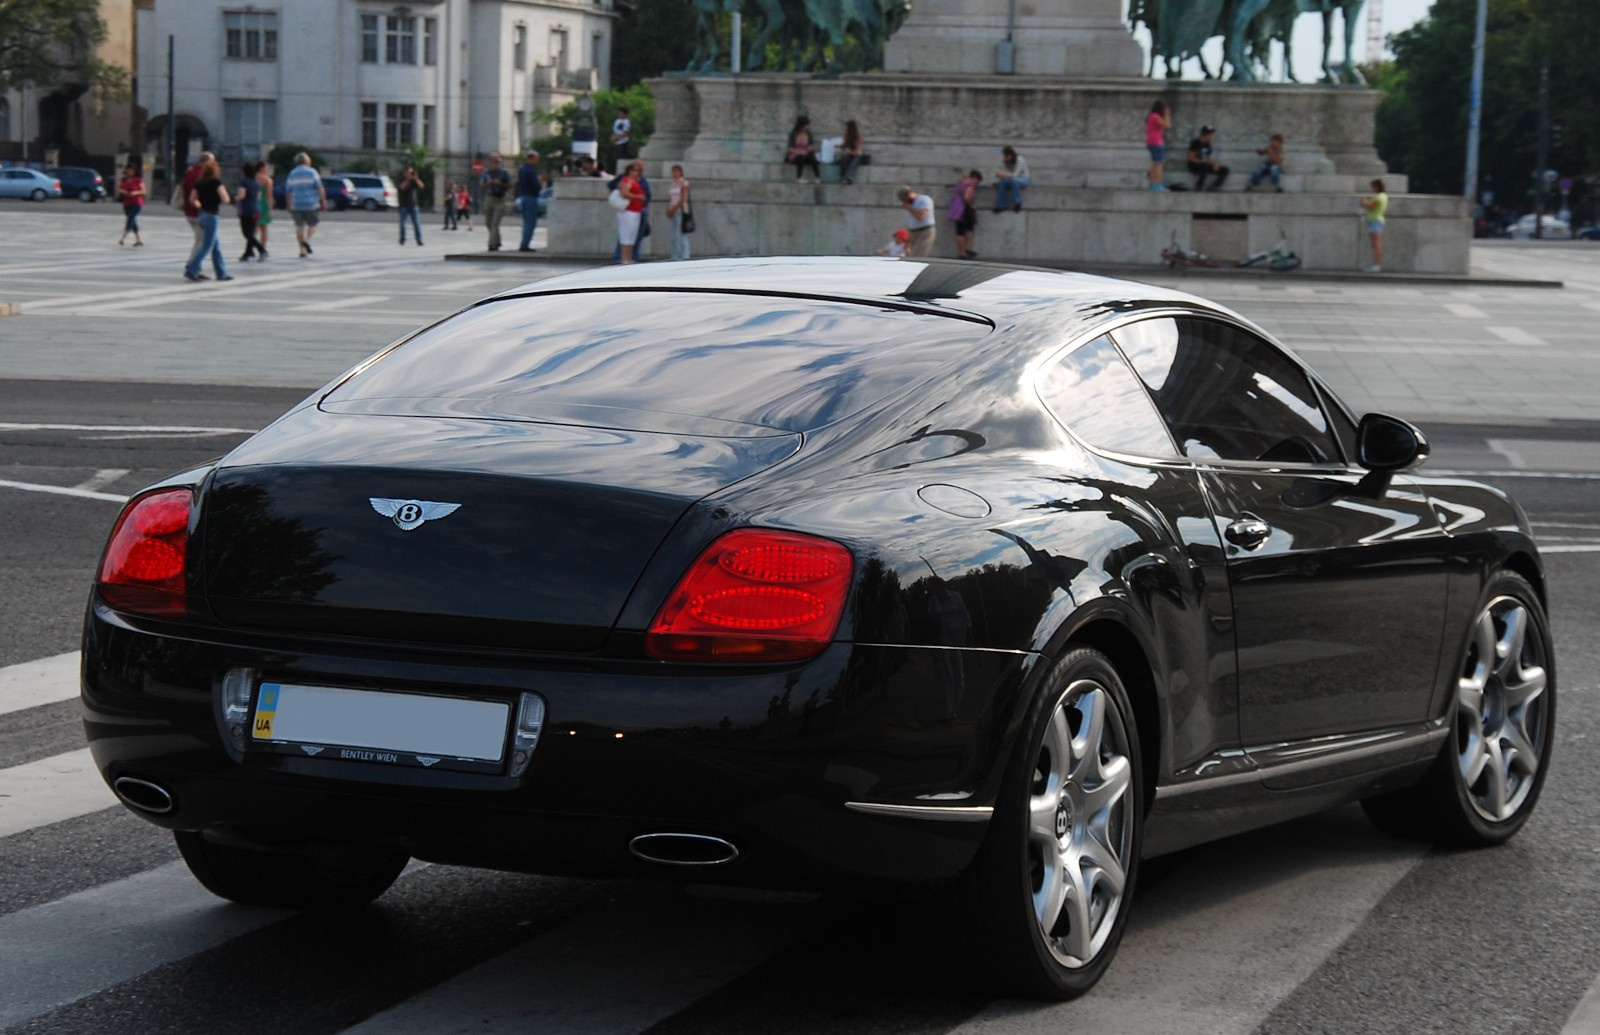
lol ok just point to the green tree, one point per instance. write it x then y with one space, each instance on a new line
44 43
1422 124
641 105
652 37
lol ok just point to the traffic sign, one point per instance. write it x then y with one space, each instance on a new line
477 167
1565 185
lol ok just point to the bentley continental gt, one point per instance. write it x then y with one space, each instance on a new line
872 576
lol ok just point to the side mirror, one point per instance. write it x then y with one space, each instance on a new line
1389 444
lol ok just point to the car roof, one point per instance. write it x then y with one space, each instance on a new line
991 292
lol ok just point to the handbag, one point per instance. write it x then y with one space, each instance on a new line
686 224
618 200
177 198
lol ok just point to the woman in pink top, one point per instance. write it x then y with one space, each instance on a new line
1156 125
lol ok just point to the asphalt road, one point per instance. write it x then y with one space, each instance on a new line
119 372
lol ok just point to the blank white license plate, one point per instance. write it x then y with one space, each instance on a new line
378 723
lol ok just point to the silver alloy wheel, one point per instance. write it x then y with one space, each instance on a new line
1501 712
1080 829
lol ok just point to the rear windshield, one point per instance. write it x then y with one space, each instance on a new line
621 357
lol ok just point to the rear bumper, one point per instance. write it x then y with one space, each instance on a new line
765 759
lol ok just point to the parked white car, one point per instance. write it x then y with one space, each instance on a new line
1554 227
371 191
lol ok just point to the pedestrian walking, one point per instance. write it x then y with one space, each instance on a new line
307 200
210 195
1374 211
410 186
529 187
495 185
131 192
919 221
264 201
449 206
678 211
463 206
191 207
247 200
1156 125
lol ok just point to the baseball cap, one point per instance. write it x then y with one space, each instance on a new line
904 193
902 234
1208 128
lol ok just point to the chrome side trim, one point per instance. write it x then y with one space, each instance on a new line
942 813
1277 760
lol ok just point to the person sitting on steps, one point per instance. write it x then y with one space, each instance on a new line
1202 164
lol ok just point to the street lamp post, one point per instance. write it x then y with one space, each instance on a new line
1475 102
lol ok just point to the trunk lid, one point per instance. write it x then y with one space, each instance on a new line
450 529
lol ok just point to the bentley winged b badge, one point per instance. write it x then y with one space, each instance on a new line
408 514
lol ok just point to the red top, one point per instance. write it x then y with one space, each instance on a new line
131 189
633 192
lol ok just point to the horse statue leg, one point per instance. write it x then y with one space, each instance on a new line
1349 73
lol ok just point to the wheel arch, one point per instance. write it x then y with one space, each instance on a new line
1131 659
1523 563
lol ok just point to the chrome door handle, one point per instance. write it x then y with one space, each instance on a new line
1248 532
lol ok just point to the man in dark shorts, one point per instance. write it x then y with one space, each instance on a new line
307 200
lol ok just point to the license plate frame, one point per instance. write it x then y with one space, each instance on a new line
381 727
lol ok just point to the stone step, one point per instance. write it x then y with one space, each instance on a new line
938 180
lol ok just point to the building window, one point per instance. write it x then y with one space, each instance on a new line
248 127
517 122
399 125
369 39
251 35
427 125
558 49
597 44
400 41
519 48
430 41
369 125
5 119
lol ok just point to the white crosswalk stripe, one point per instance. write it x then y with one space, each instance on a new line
50 790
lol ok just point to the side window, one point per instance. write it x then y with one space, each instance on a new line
1092 391
1227 394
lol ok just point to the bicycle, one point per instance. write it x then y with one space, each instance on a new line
1280 258
1176 255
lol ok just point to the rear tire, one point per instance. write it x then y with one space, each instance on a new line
370 204
38 194
1491 768
1047 900
323 877
85 195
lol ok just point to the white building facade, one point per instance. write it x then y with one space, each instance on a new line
348 78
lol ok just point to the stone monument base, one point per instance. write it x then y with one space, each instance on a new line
1083 140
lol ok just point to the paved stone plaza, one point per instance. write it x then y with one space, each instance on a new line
1455 350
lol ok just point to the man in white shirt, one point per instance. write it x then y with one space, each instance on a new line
919 221
621 131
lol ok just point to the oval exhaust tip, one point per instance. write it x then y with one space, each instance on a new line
683 849
144 795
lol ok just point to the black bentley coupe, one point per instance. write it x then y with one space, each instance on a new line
878 576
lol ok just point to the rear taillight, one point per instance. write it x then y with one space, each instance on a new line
145 562
755 595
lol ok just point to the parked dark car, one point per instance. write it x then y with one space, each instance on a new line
337 190
867 575
83 184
